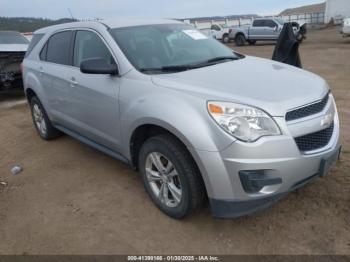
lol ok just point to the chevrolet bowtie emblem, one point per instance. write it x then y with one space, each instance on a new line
327 120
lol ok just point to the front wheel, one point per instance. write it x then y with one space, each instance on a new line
240 40
300 37
170 176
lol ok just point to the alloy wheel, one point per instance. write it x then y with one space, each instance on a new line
39 119
163 179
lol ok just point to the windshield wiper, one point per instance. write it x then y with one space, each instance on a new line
175 68
180 68
222 58
215 60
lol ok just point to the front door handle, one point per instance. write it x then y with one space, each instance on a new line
41 70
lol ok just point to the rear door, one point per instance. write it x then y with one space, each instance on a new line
53 69
93 99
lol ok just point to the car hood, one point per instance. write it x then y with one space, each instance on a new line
269 85
13 48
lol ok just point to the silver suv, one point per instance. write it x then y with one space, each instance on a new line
159 95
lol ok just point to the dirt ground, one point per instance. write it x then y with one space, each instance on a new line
71 199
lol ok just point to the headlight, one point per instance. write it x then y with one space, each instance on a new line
246 123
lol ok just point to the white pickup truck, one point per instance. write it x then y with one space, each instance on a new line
219 32
264 29
346 27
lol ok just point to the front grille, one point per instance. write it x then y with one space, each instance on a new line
308 110
316 140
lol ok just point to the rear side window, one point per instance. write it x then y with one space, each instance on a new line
58 48
35 40
258 23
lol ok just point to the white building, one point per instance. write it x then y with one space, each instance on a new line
337 9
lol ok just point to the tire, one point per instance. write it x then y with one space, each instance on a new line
240 40
226 39
41 121
184 187
300 37
252 42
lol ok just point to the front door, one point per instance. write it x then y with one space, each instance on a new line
257 30
93 99
271 30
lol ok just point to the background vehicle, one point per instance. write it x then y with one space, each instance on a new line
346 27
263 29
13 46
155 94
219 32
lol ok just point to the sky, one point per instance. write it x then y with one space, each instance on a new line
89 9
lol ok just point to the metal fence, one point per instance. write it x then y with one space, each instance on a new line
309 18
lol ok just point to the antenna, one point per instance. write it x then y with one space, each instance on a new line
69 11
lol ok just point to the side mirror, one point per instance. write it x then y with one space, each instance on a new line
98 66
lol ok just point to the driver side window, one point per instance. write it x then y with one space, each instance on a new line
215 27
270 23
89 45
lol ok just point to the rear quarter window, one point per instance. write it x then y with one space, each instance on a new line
35 40
43 53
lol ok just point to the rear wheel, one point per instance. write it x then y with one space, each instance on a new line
41 121
226 39
170 176
240 40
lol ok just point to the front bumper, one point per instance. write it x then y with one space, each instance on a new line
278 157
232 209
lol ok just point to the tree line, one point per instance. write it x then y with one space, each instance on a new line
29 24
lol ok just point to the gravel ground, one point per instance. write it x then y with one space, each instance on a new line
71 199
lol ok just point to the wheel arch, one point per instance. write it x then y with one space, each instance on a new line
224 35
33 86
30 93
240 33
147 130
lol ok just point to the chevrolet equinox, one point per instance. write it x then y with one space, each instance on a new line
197 120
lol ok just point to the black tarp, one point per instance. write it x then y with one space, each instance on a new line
287 47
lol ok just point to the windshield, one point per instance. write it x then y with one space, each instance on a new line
169 46
280 21
13 38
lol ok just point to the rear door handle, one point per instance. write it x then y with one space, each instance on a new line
73 82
